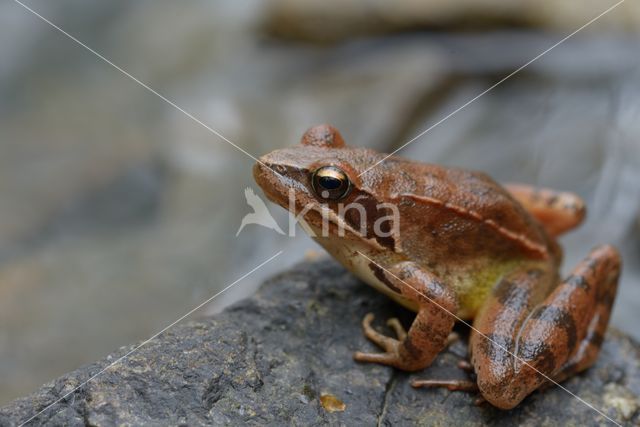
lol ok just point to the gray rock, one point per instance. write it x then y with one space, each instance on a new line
270 358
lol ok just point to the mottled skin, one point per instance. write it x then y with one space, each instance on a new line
461 245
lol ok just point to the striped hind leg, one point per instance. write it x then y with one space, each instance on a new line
503 315
589 348
525 340
558 212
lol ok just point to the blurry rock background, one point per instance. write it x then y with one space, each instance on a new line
118 213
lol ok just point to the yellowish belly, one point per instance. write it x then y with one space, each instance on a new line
471 285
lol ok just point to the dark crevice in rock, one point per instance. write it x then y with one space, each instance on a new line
214 391
385 402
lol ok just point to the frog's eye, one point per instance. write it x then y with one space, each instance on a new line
331 183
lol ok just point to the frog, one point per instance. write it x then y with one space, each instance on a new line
451 245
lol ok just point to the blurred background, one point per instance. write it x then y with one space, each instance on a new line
118 213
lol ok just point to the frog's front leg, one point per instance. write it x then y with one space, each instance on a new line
522 339
415 349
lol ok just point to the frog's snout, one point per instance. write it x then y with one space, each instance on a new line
267 175
268 167
270 183
260 170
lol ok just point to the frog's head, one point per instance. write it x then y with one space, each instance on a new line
323 178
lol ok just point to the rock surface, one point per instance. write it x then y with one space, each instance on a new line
283 356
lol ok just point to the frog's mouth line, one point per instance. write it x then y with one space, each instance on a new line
314 219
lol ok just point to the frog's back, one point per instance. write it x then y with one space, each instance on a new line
466 209
464 227
476 195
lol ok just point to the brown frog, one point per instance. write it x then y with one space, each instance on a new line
450 243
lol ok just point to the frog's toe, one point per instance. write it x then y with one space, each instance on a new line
453 337
397 327
465 365
386 343
390 356
479 401
387 358
461 385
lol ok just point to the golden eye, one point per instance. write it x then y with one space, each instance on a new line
331 183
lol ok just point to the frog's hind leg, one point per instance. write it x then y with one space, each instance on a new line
589 348
519 342
517 291
558 212
415 349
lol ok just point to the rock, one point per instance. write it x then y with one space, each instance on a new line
283 356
